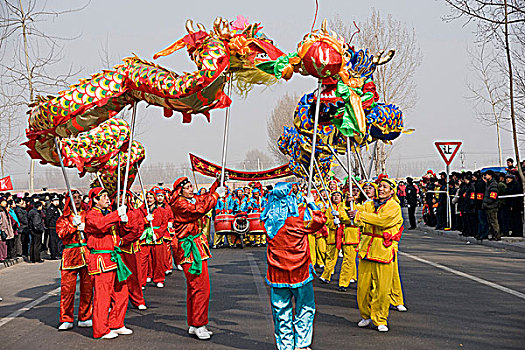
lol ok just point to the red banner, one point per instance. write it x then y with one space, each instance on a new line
5 184
207 168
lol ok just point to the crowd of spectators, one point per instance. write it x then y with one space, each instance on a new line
484 204
28 226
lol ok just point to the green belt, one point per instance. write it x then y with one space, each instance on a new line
74 245
122 270
188 246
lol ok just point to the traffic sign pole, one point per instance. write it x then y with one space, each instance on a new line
448 150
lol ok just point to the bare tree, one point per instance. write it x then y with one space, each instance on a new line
257 160
282 115
29 54
489 100
500 23
394 81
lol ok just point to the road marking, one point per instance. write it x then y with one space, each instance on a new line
29 306
466 275
258 278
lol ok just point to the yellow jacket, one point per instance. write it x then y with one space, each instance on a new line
330 225
382 228
351 232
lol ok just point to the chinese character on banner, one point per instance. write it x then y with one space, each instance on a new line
5 184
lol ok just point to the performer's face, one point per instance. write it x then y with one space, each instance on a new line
324 195
384 190
77 199
336 198
150 199
160 198
103 201
370 191
355 191
187 190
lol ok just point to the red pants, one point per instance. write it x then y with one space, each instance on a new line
152 255
197 295
68 286
134 280
109 293
168 260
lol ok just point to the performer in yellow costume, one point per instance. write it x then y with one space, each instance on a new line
322 234
335 233
382 225
349 245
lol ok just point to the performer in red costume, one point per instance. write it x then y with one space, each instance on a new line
74 263
105 264
153 251
166 239
130 248
290 271
193 250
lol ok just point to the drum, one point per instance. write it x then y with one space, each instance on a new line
256 225
223 223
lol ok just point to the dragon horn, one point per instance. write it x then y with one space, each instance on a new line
201 27
378 60
324 26
189 26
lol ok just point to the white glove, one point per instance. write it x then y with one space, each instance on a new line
77 220
336 221
123 218
149 217
170 224
121 210
221 191
309 199
81 227
335 213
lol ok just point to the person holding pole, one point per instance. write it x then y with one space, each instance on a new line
74 263
382 225
193 250
106 266
290 270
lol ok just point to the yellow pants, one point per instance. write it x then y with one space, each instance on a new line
320 250
313 250
396 294
218 239
348 266
332 253
373 290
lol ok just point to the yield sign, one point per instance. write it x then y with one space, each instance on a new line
448 149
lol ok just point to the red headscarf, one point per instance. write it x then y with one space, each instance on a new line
95 192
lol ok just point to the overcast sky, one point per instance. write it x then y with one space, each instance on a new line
145 27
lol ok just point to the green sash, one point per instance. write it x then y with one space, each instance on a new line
122 270
188 246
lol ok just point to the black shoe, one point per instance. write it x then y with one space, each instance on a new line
343 289
40 261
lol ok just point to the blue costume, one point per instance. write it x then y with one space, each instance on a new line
289 266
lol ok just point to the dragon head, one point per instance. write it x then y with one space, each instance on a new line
246 44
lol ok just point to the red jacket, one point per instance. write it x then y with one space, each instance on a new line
75 257
131 231
288 253
187 221
159 223
102 234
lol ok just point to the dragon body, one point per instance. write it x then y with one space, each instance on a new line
79 115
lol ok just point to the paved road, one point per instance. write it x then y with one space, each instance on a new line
446 310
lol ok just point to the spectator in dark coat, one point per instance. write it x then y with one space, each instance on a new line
411 201
491 205
23 230
52 215
515 205
37 230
